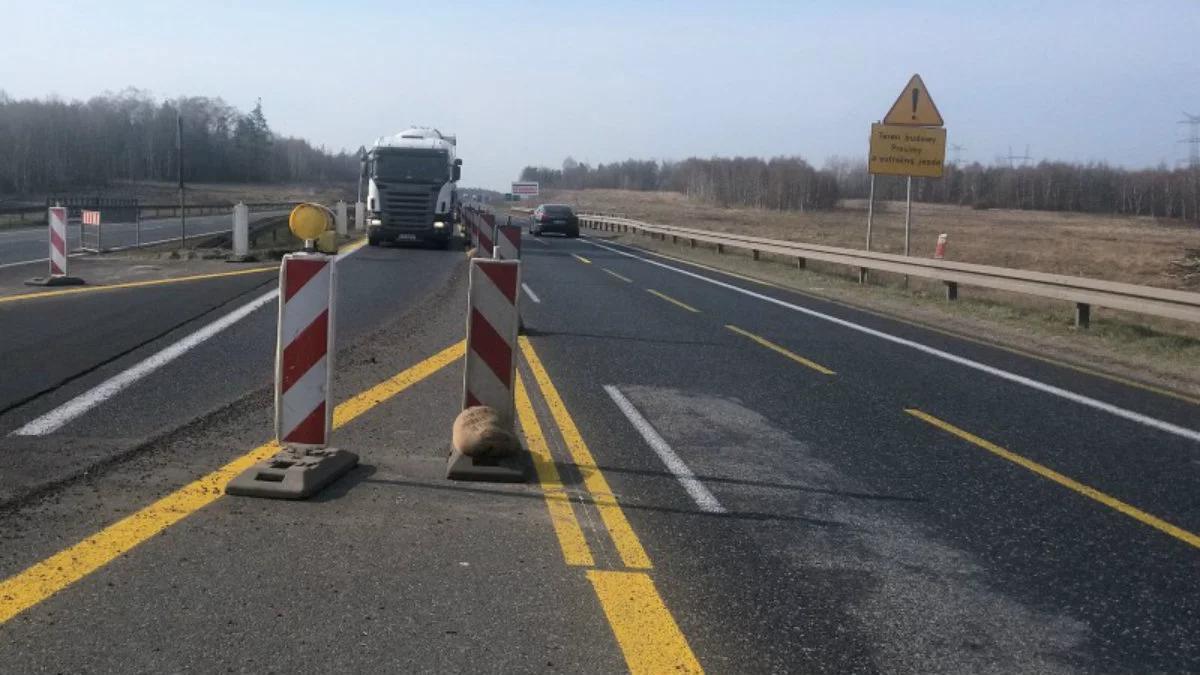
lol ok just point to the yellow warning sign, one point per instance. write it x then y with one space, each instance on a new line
907 151
914 107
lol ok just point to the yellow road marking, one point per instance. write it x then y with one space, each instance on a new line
581 259
625 279
647 633
673 301
774 347
135 284
570 537
37 583
627 544
1071 484
352 246
1163 391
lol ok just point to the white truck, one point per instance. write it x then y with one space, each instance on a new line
412 191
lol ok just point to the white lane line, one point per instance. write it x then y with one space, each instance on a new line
36 260
695 489
56 418
1130 415
529 291
539 240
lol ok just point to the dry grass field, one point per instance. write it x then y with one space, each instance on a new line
1133 250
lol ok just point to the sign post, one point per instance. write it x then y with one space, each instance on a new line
910 141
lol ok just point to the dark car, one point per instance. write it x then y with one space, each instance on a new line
554 218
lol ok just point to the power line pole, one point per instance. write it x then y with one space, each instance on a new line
1192 139
1024 158
182 202
956 149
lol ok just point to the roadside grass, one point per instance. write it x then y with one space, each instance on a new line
1137 250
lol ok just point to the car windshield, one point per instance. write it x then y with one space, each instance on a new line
417 168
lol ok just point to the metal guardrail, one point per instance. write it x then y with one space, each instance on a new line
1084 292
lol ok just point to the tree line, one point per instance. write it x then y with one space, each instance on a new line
791 183
51 144
1046 186
781 183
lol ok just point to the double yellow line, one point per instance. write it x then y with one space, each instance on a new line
643 626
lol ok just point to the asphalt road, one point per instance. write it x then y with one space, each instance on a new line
29 245
751 481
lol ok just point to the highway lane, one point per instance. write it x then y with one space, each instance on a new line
806 496
60 348
29 245
859 536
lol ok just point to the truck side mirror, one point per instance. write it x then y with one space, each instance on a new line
457 172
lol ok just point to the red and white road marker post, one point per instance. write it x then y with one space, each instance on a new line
56 220
304 351
491 359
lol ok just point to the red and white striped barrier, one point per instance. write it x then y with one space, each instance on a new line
485 234
508 242
303 396
56 219
492 335
58 241
304 351
90 217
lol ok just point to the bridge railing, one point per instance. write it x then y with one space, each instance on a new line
1082 291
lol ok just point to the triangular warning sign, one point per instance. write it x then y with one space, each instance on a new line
914 107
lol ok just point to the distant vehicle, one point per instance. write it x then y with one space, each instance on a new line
554 218
412 191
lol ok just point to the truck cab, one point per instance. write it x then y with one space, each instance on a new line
412 191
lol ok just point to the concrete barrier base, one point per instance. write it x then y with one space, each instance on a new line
54 281
497 470
293 474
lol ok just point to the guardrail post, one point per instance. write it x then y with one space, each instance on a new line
801 263
1083 315
862 275
720 248
692 243
754 253
951 290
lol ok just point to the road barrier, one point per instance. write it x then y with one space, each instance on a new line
241 233
304 352
91 239
488 378
56 219
340 217
1083 292
360 216
508 242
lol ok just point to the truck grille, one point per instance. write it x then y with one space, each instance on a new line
408 208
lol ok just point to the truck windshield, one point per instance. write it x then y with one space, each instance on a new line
422 168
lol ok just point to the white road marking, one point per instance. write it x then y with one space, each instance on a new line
695 489
55 419
529 291
540 240
1130 415
36 260
58 417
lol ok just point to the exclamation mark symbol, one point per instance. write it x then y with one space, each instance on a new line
916 93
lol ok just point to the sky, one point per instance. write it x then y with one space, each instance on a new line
533 82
